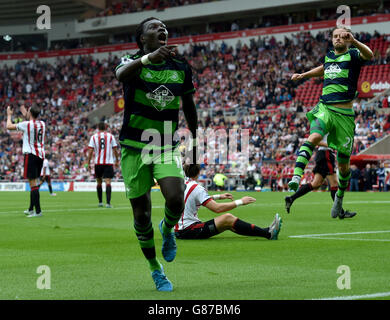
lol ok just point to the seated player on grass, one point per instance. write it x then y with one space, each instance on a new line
191 227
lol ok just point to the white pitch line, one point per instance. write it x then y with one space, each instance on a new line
337 234
81 209
349 239
325 236
363 296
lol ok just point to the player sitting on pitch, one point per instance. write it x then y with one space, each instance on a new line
190 227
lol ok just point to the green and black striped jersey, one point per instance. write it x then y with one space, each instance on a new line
341 74
152 102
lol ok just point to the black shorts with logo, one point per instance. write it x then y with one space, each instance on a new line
198 230
325 163
32 166
104 171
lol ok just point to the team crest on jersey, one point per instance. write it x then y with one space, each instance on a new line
161 97
332 71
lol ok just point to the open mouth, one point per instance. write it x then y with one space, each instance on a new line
162 38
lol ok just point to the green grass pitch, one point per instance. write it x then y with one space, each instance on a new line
93 253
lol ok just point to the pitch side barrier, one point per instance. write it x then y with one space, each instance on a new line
78 186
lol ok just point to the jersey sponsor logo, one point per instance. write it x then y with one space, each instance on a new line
161 97
174 76
332 71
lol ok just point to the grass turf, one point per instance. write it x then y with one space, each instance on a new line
93 252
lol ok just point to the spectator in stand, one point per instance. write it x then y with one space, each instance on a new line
355 177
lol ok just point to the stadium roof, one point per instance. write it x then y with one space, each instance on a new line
25 11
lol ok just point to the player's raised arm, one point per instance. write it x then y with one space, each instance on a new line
224 207
315 72
365 52
130 67
10 125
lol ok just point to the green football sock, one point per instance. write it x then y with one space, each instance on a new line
170 219
304 155
343 183
154 264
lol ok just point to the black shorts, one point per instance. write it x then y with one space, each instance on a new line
198 230
46 179
104 171
32 166
325 163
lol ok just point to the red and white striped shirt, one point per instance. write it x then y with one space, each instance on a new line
195 196
33 137
103 143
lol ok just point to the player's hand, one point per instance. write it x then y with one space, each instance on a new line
163 53
226 196
247 200
347 37
297 76
9 111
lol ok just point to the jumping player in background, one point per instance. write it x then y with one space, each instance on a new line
191 227
334 113
155 79
45 176
324 169
104 145
34 152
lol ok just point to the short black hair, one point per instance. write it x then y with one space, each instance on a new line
35 111
191 170
102 126
140 30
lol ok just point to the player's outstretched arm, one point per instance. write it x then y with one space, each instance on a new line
10 125
224 207
222 196
315 72
131 67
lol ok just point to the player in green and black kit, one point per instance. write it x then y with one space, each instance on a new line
154 80
334 113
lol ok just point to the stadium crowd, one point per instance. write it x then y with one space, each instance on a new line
235 87
121 7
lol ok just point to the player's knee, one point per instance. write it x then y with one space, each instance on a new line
315 138
343 161
175 201
229 219
315 186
